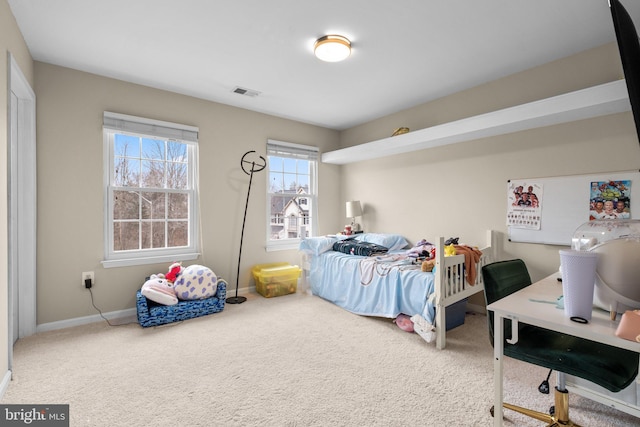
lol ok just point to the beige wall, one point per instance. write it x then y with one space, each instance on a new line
460 190
70 182
11 41
457 190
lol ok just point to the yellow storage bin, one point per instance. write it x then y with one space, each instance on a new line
276 279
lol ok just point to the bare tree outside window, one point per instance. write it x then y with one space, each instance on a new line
150 193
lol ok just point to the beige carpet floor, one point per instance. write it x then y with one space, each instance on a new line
295 360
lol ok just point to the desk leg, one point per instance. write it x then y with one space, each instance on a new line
498 344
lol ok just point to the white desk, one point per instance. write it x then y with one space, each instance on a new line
520 307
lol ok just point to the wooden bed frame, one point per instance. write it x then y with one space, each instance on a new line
451 285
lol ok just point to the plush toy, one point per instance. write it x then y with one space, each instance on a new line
160 290
195 282
428 265
174 271
404 322
449 250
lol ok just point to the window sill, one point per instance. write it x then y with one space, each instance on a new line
283 246
128 262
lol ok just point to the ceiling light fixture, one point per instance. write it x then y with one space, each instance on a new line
332 48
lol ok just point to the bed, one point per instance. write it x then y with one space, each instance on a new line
387 284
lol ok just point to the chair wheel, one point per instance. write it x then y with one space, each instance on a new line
552 410
491 411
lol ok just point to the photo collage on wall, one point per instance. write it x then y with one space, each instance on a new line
610 200
524 204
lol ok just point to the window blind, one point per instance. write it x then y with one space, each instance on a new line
155 128
291 150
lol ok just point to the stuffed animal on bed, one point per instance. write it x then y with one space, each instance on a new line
428 265
449 250
160 290
195 282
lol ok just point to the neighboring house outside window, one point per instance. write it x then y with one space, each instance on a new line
291 194
150 191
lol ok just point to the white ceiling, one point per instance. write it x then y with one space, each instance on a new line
405 52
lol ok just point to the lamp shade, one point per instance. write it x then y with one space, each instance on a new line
354 209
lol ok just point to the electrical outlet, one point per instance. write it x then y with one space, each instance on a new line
87 275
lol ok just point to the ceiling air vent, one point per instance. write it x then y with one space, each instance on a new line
246 92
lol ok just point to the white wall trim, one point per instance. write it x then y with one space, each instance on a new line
25 199
128 315
476 308
4 385
77 321
231 290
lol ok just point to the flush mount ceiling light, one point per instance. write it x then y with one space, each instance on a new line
332 48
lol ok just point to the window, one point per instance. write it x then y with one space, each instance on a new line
150 191
291 194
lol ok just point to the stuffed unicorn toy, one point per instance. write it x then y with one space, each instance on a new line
157 288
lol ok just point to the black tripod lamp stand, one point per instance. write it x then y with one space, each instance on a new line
249 167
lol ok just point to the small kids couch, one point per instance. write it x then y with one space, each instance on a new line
151 313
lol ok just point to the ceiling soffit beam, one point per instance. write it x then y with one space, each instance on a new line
608 98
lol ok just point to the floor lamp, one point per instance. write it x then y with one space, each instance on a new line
249 170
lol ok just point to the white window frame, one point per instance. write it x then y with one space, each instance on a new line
295 151
115 123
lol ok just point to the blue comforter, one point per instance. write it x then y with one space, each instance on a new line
383 286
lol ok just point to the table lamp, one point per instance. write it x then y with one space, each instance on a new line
354 209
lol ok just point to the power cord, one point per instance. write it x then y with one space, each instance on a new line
102 315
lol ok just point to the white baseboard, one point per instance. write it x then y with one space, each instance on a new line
476 308
4 385
231 290
128 314
77 321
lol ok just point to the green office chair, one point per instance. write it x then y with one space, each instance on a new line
610 367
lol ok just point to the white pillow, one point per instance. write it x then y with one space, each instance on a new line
318 245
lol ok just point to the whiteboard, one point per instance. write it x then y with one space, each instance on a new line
565 206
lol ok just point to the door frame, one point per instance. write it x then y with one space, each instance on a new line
22 206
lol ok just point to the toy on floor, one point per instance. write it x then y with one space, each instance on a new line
404 322
174 271
153 314
193 282
157 288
